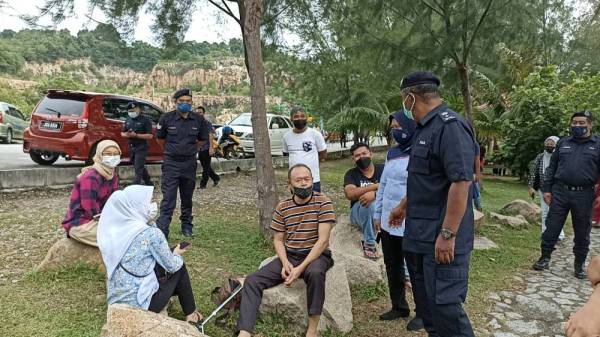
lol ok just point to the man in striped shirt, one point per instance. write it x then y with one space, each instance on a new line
302 225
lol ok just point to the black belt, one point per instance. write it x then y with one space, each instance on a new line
575 188
180 158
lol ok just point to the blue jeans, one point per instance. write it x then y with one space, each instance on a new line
476 195
363 218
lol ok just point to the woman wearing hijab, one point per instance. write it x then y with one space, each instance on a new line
91 191
135 253
392 189
536 177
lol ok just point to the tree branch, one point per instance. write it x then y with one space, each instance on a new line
436 10
225 10
479 24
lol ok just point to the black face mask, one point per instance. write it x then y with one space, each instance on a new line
302 193
363 163
549 149
299 123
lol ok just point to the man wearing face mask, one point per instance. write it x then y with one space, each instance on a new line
360 187
569 187
138 129
304 145
181 133
439 227
537 174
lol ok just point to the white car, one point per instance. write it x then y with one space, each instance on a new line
242 126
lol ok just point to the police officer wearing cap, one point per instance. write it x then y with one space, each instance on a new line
569 186
138 130
439 231
180 132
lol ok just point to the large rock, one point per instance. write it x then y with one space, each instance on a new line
516 222
291 302
479 219
347 252
67 252
125 321
483 243
529 210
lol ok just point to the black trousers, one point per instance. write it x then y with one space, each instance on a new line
177 284
393 257
177 175
269 276
138 158
207 171
439 291
580 204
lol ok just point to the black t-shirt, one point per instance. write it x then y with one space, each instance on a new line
354 176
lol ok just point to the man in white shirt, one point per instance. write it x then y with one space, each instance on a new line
305 146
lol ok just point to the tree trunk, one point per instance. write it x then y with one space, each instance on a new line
251 12
465 89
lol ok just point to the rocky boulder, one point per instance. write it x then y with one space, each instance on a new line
516 222
483 243
479 219
291 302
529 210
67 252
347 253
125 321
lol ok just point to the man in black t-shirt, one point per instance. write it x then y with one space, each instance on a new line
360 186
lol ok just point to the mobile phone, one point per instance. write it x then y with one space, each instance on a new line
183 244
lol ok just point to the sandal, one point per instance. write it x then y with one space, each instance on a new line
370 251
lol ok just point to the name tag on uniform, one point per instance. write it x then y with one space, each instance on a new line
422 142
592 148
172 128
566 147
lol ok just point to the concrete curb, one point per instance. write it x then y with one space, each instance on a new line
60 177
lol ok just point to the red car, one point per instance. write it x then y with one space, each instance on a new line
71 123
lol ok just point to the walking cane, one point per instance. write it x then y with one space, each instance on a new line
200 325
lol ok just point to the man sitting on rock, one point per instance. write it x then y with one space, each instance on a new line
302 225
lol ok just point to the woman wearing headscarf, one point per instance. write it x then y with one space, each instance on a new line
93 187
392 189
536 177
136 252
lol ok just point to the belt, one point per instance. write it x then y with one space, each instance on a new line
180 158
575 188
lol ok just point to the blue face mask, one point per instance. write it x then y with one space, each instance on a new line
133 114
407 112
400 136
184 107
579 131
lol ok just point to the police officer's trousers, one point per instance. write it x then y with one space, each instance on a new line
177 175
138 159
580 204
439 292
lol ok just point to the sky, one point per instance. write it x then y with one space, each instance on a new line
211 25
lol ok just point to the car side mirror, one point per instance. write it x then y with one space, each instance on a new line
275 126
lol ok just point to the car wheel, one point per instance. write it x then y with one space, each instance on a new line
9 137
241 154
229 153
45 158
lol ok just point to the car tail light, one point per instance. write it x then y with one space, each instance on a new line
82 123
1 117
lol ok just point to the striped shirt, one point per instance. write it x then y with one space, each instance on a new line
301 222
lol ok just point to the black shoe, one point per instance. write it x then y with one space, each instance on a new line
579 271
394 314
187 233
202 187
415 324
544 262
216 183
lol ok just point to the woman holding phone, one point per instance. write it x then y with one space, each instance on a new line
142 270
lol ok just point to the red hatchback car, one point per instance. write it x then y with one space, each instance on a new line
71 123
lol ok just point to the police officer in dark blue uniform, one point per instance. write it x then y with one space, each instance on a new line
569 186
138 129
439 233
181 132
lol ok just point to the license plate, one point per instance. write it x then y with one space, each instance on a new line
50 125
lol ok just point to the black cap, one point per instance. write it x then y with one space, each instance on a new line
182 92
586 114
132 104
419 77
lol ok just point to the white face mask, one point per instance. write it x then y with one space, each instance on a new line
152 211
111 161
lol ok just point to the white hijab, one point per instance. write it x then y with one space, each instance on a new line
124 217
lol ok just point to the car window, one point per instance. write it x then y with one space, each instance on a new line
151 113
242 120
282 123
114 108
288 122
19 115
11 112
61 104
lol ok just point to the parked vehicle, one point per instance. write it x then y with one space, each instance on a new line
70 124
12 123
278 127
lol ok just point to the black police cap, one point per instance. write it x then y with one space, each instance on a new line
419 77
132 104
586 114
182 92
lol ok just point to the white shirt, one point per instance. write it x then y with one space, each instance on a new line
304 148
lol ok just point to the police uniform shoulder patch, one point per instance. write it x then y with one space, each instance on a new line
447 117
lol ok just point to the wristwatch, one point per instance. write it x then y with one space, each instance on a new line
447 234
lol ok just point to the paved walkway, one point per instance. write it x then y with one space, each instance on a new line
546 302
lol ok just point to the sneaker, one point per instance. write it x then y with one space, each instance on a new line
394 315
415 324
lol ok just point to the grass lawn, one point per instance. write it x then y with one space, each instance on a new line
71 302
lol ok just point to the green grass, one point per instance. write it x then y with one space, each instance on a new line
72 301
